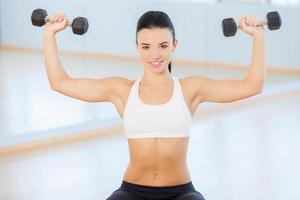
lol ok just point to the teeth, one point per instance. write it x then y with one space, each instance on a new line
155 63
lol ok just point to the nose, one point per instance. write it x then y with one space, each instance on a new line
155 54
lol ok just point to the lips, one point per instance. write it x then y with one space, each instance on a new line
155 63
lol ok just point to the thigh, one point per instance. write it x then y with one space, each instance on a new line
190 196
122 195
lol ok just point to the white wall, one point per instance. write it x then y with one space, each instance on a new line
1 12
198 27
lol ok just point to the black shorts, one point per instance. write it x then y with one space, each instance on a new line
131 191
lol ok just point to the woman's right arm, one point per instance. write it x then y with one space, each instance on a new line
55 71
90 90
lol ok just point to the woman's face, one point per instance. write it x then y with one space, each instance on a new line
155 46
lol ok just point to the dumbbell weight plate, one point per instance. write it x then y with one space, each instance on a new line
274 20
38 17
80 25
229 27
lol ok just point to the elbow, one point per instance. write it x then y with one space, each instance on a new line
258 90
54 87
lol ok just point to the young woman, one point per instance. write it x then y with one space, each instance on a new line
157 107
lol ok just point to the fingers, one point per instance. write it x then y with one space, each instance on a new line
252 21
58 18
249 21
242 23
251 25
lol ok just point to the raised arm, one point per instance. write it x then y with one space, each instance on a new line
55 71
222 91
90 90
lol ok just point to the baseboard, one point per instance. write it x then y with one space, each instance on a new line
191 63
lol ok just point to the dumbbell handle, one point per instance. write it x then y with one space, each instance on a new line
47 19
265 22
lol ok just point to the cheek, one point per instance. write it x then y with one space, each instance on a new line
144 55
167 53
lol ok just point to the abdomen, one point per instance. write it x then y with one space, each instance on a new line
158 161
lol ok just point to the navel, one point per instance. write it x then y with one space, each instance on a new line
156 175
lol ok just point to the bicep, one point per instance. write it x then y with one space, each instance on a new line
90 90
224 91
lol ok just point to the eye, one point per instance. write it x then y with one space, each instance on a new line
145 47
164 46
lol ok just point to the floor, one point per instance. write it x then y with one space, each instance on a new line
243 150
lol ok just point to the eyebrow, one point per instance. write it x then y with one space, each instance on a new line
159 44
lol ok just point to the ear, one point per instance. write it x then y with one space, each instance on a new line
175 44
136 45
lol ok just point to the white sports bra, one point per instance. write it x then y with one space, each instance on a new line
171 119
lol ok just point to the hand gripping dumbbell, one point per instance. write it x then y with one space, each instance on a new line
273 20
79 25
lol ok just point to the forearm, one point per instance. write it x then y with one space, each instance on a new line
258 69
54 68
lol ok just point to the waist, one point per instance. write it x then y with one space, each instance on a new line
138 187
175 174
157 192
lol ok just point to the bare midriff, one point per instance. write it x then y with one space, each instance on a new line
157 161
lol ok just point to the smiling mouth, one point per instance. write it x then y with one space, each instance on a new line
156 63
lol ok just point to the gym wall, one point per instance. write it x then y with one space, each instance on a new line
1 22
198 27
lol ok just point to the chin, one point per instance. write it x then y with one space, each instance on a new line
157 70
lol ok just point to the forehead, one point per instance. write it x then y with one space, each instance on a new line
154 35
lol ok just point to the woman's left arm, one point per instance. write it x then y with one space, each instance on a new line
223 91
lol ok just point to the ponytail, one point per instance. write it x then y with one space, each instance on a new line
169 67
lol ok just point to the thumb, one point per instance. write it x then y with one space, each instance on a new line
65 20
242 23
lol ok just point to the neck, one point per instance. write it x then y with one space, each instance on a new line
156 80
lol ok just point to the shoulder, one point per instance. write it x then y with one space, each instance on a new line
121 81
191 85
193 79
122 86
193 82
